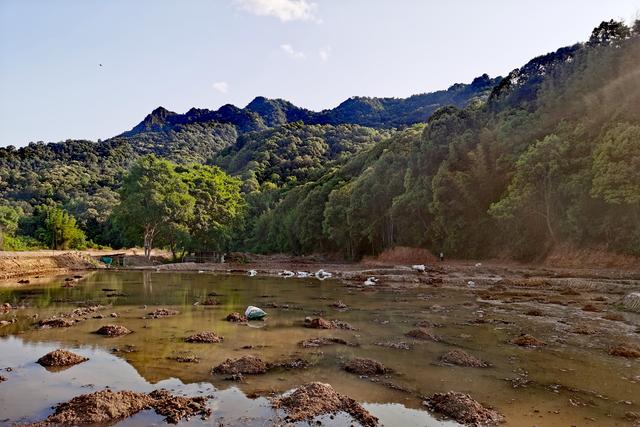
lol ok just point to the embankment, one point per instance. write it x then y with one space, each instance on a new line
20 264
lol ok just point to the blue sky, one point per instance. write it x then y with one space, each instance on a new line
206 53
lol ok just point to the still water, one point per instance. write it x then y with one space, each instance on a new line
560 385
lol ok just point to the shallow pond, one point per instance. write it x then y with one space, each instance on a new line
559 385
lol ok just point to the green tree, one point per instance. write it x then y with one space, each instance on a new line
153 199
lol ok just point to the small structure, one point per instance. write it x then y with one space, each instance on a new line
118 260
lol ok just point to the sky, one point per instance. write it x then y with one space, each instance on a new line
91 69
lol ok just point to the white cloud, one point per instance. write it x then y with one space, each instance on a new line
285 10
291 51
222 87
324 53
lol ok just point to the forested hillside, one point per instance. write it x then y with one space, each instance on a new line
500 167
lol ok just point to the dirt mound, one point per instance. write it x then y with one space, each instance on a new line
61 358
590 307
534 312
113 330
176 408
65 320
623 350
402 255
462 358
210 301
321 323
422 334
465 410
584 329
236 318
614 317
526 340
363 366
315 399
107 406
160 313
207 337
244 365
15 264
322 341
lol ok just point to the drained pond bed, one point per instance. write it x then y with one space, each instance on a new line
419 343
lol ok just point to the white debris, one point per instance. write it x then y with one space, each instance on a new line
471 284
302 273
371 281
478 264
287 273
419 267
252 273
321 274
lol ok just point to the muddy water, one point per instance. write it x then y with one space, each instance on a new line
565 383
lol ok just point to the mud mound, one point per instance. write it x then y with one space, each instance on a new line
176 408
403 255
614 317
526 340
315 399
61 358
236 318
107 406
534 312
623 350
322 341
210 301
462 358
244 365
422 334
465 410
161 313
113 330
207 337
56 322
317 323
584 329
363 366
321 323
590 307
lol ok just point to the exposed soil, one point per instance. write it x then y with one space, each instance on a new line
17 264
322 341
236 318
422 334
206 337
160 313
113 330
244 365
315 399
465 410
107 406
624 350
526 340
59 358
462 358
362 366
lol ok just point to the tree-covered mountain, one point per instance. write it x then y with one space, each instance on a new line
509 167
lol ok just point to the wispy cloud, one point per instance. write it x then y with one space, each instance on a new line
284 10
222 87
292 52
324 53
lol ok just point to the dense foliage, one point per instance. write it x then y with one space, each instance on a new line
500 167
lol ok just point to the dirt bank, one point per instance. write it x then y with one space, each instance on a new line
19 264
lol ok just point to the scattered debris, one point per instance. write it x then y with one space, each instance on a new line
243 365
321 323
315 399
419 267
398 345
463 409
185 357
526 340
113 330
462 358
206 337
295 363
322 341
362 366
339 305
59 358
160 313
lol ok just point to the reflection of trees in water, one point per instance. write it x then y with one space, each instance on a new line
147 285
